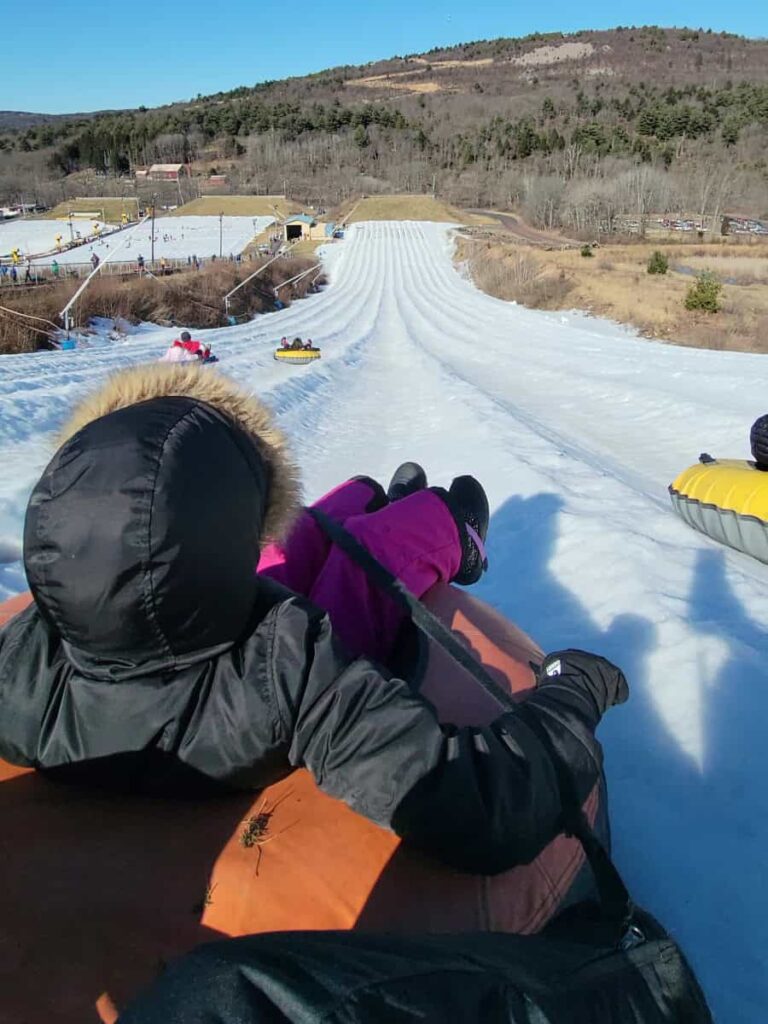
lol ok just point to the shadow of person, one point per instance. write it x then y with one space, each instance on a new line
735 705
691 776
524 585
97 893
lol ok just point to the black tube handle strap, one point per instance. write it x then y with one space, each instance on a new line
422 617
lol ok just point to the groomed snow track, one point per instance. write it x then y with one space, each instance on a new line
576 428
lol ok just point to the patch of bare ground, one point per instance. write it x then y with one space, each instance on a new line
400 81
480 62
29 316
544 55
614 283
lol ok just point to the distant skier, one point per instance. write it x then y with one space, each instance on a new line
95 260
140 264
55 269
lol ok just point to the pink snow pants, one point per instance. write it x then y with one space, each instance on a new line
416 538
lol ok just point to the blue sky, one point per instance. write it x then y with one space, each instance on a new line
93 54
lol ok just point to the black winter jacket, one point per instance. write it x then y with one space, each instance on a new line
154 659
572 974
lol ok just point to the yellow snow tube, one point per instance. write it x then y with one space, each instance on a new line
297 355
727 499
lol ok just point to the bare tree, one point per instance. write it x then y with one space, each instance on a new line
543 197
712 186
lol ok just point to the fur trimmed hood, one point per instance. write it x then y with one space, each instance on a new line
142 383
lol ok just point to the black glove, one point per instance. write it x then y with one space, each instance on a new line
589 673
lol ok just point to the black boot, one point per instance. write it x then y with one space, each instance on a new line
469 504
759 441
407 479
378 497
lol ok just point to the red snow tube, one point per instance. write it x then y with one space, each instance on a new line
98 892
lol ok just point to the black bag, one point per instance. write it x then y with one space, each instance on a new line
574 977
601 962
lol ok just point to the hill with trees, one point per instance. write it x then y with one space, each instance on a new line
579 130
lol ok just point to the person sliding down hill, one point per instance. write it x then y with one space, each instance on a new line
183 350
176 353
297 344
156 658
195 349
189 344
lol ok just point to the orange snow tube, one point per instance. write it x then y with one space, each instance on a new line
97 892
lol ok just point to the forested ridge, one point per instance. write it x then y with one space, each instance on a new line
500 121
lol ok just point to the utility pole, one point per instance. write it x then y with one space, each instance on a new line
152 257
221 234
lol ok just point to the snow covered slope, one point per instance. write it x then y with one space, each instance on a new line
576 428
175 238
33 236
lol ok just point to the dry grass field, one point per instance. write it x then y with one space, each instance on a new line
237 206
407 207
109 207
614 283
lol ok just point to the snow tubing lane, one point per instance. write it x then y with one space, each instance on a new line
99 891
727 499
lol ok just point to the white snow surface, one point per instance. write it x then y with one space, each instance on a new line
175 238
576 428
37 236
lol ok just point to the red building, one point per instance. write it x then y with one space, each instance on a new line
167 172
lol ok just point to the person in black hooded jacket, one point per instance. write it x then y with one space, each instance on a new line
154 658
